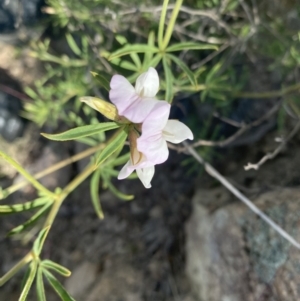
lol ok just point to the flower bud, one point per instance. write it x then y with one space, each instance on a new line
107 109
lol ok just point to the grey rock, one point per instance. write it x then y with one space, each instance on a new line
233 255
81 279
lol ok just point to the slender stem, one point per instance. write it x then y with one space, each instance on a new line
162 23
26 175
15 269
55 167
171 24
68 189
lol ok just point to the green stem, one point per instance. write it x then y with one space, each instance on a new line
162 23
67 190
55 167
26 175
171 24
26 259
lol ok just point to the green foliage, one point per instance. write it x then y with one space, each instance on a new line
57 286
83 131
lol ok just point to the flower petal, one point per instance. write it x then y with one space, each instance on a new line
154 148
176 132
156 119
126 171
146 175
138 111
122 93
147 84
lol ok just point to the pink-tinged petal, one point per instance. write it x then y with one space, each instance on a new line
176 132
138 111
126 171
156 119
154 148
146 175
122 93
147 84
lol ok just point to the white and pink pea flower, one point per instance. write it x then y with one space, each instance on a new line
137 162
139 105
135 103
156 131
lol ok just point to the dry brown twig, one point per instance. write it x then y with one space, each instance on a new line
242 130
272 155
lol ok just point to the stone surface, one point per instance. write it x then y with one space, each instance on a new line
233 255
118 282
49 155
20 150
81 279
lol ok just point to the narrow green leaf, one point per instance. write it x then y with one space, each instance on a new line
161 25
121 160
40 289
212 73
39 242
121 39
217 95
190 46
28 281
82 131
119 194
184 68
112 147
155 60
94 188
136 59
57 286
73 44
124 64
102 79
51 265
148 55
88 141
128 49
10 209
31 93
169 80
31 221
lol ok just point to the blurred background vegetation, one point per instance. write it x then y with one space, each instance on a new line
249 49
